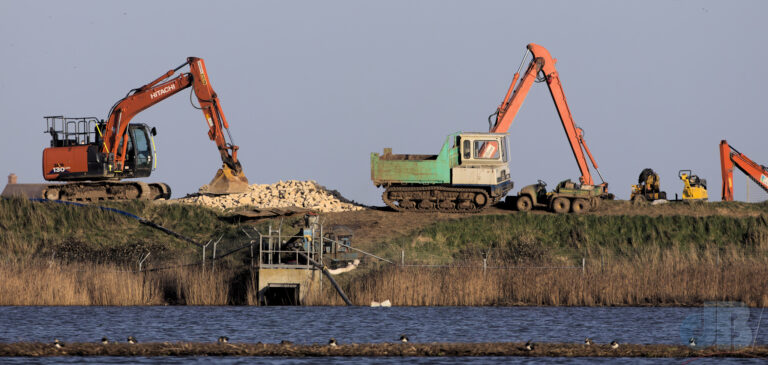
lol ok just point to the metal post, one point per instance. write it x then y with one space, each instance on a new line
485 264
583 265
204 246
402 257
141 262
213 259
747 190
602 263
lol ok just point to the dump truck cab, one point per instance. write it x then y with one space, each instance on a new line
478 168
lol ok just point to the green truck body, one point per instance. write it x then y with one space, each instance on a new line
415 169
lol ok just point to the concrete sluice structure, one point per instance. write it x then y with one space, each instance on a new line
287 266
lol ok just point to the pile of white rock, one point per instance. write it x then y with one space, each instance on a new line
283 194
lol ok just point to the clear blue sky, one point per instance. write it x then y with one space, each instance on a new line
311 88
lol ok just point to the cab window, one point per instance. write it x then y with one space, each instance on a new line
142 147
467 149
487 149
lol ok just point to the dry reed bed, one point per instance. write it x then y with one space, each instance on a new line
664 277
668 277
42 283
369 350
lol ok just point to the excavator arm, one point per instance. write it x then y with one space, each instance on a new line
230 178
543 62
730 157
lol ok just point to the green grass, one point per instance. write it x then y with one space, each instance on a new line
525 237
46 229
34 229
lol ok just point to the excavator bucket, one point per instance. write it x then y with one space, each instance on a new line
227 181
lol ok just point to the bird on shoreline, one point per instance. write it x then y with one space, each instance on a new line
132 340
529 346
614 345
332 342
588 341
223 339
57 344
403 338
692 342
104 341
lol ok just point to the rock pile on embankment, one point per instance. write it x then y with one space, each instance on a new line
291 193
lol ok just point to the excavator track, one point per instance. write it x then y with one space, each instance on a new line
105 191
437 198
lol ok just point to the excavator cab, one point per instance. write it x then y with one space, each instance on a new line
74 153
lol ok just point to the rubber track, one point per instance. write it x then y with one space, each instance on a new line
488 201
143 190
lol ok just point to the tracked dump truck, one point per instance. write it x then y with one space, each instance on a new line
463 178
567 196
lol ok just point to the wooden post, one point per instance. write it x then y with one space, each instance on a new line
402 257
583 265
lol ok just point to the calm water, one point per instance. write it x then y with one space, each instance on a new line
370 325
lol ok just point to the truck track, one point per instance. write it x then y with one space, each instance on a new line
440 198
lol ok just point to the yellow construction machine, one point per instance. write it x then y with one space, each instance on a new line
647 188
694 188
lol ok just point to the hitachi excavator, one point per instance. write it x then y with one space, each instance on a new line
543 63
92 156
730 157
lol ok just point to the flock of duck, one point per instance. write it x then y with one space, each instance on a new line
529 346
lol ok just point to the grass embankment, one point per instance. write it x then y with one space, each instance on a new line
60 254
537 259
73 233
375 350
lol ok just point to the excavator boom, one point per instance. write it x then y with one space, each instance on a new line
543 63
730 157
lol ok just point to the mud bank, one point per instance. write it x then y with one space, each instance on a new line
374 350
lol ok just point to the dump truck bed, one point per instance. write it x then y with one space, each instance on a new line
389 168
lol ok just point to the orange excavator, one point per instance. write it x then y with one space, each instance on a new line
730 157
92 156
543 63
